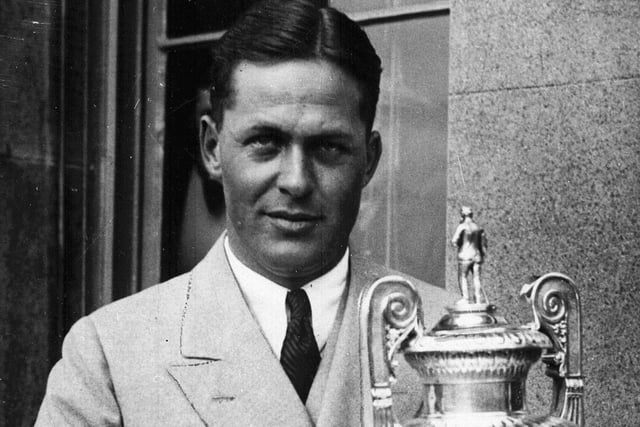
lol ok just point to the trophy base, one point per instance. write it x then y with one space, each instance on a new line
488 420
464 315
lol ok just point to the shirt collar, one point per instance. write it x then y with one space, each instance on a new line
266 299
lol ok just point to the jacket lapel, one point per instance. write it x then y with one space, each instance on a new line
316 394
343 396
228 372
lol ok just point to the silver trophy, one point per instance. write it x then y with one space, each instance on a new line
473 363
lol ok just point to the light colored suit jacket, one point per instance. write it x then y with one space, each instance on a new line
188 352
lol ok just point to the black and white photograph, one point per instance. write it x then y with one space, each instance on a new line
382 213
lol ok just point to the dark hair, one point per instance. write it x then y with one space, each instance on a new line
275 30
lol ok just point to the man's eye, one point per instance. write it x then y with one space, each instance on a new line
332 147
264 146
261 141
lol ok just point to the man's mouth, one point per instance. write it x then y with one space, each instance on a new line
294 221
294 215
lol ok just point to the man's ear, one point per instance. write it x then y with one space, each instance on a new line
373 151
210 147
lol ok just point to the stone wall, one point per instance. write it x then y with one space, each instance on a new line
544 143
28 200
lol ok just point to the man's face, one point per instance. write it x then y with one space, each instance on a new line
293 155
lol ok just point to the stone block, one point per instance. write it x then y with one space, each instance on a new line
27 39
500 44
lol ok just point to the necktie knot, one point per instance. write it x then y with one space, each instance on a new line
297 303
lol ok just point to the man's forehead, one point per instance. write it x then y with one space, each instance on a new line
295 81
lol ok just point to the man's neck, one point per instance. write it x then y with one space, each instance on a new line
290 279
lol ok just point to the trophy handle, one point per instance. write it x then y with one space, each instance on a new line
390 312
556 309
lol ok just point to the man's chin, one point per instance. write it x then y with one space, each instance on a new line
301 261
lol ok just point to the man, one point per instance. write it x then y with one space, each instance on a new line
264 331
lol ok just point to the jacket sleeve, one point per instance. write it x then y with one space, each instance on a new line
79 389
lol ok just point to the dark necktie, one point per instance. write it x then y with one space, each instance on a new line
300 356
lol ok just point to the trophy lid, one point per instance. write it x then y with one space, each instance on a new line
477 328
472 342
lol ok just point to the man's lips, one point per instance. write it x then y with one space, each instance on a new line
294 221
294 215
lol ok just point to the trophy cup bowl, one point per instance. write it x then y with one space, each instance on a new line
474 364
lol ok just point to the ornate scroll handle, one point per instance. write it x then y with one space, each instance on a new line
390 312
556 308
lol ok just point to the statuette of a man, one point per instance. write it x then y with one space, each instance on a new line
471 242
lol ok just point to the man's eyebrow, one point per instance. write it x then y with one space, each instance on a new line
263 127
334 134
271 127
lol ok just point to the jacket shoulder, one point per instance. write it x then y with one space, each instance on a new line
142 320
156 301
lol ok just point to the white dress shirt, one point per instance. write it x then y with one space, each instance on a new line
266 299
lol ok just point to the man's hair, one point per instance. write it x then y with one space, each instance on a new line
275 31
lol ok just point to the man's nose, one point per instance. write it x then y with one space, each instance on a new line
295 176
